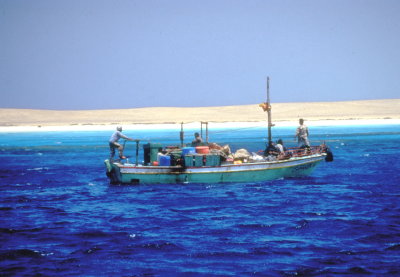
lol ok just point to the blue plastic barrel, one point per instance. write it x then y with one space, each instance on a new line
165 161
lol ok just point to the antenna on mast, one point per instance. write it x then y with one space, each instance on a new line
266 106
269 114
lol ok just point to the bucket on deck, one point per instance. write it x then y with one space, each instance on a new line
202 149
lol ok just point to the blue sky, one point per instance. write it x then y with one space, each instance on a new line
96 54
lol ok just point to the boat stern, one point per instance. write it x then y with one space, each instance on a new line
112 172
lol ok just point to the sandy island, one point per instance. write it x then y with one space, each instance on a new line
283 114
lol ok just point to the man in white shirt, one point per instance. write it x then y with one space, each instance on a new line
113 143
302 135
280 147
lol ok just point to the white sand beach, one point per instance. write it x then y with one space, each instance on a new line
363 112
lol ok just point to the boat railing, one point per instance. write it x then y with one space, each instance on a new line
302 152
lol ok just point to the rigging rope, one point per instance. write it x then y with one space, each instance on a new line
172 137
236 129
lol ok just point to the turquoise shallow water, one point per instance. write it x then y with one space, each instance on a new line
60 216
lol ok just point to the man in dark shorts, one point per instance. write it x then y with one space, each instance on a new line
302 135
113 143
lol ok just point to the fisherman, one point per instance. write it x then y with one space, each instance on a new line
302 135
271 152
197 140
283 153
280 147
113 143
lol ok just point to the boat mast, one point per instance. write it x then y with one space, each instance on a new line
269 114
201 130
181 135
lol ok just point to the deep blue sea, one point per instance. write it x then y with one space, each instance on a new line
59 216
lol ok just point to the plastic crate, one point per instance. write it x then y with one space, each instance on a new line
213 160
189 160
194 160
198 160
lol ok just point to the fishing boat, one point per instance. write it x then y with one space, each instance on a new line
208 164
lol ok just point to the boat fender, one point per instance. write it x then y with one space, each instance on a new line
108 165
329 155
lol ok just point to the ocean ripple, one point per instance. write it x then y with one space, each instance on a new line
60 217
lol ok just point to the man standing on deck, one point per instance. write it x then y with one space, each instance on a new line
113 143
302 135
197 140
